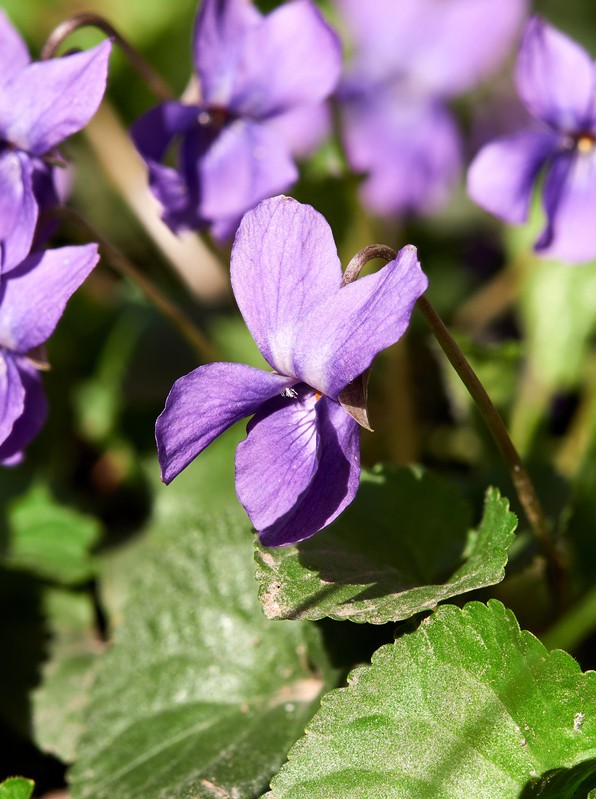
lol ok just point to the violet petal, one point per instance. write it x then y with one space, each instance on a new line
14 55
50 100
12 394
291 58
502 175
219 32
246 163
570 203
203 404
339 339
408 148
18 209
332 487
33 296
555 78
276 462
32 418
284 264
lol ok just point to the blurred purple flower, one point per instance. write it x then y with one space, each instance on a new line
41 104
556 80
33 295
409 58
262 81
299 466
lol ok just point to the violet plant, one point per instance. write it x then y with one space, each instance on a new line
378 651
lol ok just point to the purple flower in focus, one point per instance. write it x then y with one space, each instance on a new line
262 81
41 104
410 57
299 466
33 295
556 80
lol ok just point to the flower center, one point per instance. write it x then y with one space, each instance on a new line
214 117
585 143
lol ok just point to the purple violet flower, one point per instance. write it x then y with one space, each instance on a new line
255 73
409 58
299 466
41 104
556 80
33 295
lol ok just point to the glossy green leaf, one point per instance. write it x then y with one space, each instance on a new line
404 545
466 706
200 695
50 540
16 788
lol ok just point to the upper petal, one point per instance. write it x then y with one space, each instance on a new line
246 163
12 394
276 462
14 55
556 78
33 296
284 263
291 58
203 404
31 419
50 100
332 486
502 176
442 47
219 32
570 204
339 339
262 66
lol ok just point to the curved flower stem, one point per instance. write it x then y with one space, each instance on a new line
523 485
155 82
127 268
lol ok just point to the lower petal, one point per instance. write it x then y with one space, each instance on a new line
31 419
276 462
12 394
203 404
246 163
570 204
18 209
332 486
502 176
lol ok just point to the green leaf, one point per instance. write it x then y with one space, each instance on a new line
16 788
403 546
467 705
58 703
200 695
50 540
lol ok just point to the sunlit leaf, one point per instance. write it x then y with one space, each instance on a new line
403 546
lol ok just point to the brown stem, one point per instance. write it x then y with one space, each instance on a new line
127 268
521 480
155 82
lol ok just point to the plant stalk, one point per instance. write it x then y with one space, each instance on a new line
155 82
556 572
128 269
